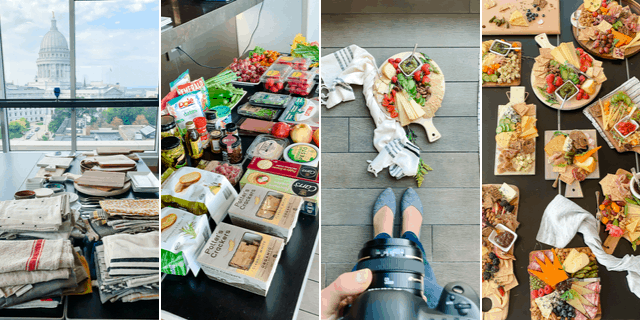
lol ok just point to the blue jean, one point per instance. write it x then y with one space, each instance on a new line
431 288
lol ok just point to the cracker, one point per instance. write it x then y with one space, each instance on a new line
190 178
168 221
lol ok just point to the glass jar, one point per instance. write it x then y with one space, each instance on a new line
172 153
216 136
201 128
192 140
231 145
168 127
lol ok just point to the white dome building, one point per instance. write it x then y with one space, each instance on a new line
54 58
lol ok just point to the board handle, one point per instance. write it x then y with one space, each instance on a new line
432 133
543 41
610 244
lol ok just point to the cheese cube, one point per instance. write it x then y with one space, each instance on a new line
507 192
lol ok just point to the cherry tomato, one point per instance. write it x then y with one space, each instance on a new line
398 60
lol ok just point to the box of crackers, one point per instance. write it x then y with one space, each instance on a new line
286 169
265 210
306 189
241 258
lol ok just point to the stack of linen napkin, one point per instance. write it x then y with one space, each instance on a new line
124 216
37 269
127 267
44 218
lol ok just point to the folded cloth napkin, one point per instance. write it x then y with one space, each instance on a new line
132 254
9 291
53 288
16 278
31 255
354 65
48 303
144 207
563 218
43 214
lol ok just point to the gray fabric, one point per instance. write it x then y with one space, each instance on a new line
17 278
561 221
41 290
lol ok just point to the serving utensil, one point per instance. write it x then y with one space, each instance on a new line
598 213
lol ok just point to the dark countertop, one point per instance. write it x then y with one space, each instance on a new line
536 193
21 166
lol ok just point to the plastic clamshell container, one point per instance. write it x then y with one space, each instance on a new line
252 150
233 178
295 63
259 112
270 100
302 110
494 234
630 133
273 79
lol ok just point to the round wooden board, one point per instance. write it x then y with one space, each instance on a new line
98 193
515 82
570 105
403 55
635 8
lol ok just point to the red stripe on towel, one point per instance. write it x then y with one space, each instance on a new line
36 253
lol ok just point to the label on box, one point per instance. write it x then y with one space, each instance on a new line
303 188
285 169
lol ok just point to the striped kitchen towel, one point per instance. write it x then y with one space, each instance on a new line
31 255
132 254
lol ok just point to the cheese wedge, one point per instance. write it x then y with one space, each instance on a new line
631 227
589 86
577 304
580 289
545 304
575 260
517 19
584 301
388 70
589 166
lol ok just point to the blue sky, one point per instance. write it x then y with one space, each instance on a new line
116 41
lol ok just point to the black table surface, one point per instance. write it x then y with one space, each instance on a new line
535 192
75 307
203 298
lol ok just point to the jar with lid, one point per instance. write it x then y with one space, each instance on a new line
216 135
172 153
201 127
231 145
168 127
212 120
192 140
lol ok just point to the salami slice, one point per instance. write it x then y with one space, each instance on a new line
593 298
533 265
549 254
591 311
595 286
580 316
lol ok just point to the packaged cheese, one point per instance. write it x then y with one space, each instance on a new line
241 258
264 210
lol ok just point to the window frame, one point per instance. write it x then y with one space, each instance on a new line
7 104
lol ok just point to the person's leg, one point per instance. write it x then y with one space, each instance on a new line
412 211
384 210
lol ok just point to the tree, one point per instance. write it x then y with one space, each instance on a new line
16 129
130 115
57 118
45 138
25 122
116 122
141 120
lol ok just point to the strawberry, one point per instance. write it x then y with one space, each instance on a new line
416 76
425 68
550 78
582 78
394 79
425 79
391 60
550 89
558 82
393 92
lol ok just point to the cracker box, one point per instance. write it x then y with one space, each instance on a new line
182 238
308 190
264 210
198 191
241 258
286 169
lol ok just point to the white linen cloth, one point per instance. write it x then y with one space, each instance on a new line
31 255
354 65
44 214
562 219
132 254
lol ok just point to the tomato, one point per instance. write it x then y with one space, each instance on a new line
490 72
595 14
585 96
391 60
398 60
550 79
394 114
551 89
425 67
579 96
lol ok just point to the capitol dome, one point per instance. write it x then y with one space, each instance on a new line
54 57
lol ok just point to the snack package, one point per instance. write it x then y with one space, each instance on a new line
163 104
182 237
308 190
185 108
198 191
285 169
264 210
182 79
196 85
302 110
241 258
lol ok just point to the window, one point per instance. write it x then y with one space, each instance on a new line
117 127
54 133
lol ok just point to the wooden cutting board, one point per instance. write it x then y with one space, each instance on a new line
548 167
107 151
115 161
516 82
50 162
551 19
102 179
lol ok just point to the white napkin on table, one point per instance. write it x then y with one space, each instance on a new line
561 221
354 65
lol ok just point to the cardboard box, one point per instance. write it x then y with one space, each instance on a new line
286 169
264 210
182 241
210 192
308 190
241 258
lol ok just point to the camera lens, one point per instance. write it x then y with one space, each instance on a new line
396 264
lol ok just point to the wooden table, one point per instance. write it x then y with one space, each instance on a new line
450 194
21 166
536 193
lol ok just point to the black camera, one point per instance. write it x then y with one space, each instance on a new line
396 290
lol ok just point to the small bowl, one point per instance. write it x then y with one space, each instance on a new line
43 193
492 237
633 190
571 97
615 127
25 194
420 63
